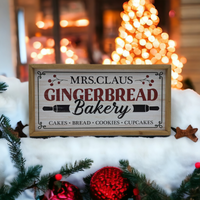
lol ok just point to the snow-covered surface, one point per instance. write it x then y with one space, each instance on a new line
163 159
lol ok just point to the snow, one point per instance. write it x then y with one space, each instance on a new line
165 160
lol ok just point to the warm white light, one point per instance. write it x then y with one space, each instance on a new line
50 42
33 55
180 65
142 42
107 61
129 27
165 59
125 18
40 24
149 22
145 55
44 51
69 53
171 43
64 23
69 61
120 42
175 62
148 45
63 49
129 39
174 56
131 14
115 57
153 11
145 19
162 46
37 45
151 38
82 22
125 53
174 75
138 61
123 34
147 33
165 36
158 56
153 51
148 62
136 24
64 42
156 44
40 56
154 17
119 50
128 47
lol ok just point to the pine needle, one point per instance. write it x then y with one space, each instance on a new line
3 87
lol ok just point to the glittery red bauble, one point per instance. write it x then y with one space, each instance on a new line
136 191
58 177
197 165
108 183
67 191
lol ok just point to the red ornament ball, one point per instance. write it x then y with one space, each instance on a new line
58 177
108 183
136 191
67 191
197 165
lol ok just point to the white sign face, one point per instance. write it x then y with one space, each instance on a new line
70 99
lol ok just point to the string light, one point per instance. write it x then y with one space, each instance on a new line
82 22
40 24
69 53
64 23
141 42
37 45
63 49
107 61
69 61
33 55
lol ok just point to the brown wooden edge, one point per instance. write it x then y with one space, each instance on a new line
168 101
31 101
98 67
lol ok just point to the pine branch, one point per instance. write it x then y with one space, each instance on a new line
195 179
78 166
87 179
46 180
43 182
148 190
14 143
20 183
3 190
3 87
86 193
182 190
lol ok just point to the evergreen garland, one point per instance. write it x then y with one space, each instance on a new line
188 190
29 178
148 190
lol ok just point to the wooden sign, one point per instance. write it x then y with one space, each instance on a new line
76 100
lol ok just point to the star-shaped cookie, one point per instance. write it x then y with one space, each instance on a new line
189 132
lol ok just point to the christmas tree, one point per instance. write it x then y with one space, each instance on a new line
140 41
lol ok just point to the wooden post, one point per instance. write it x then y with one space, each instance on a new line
56 29
91 28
